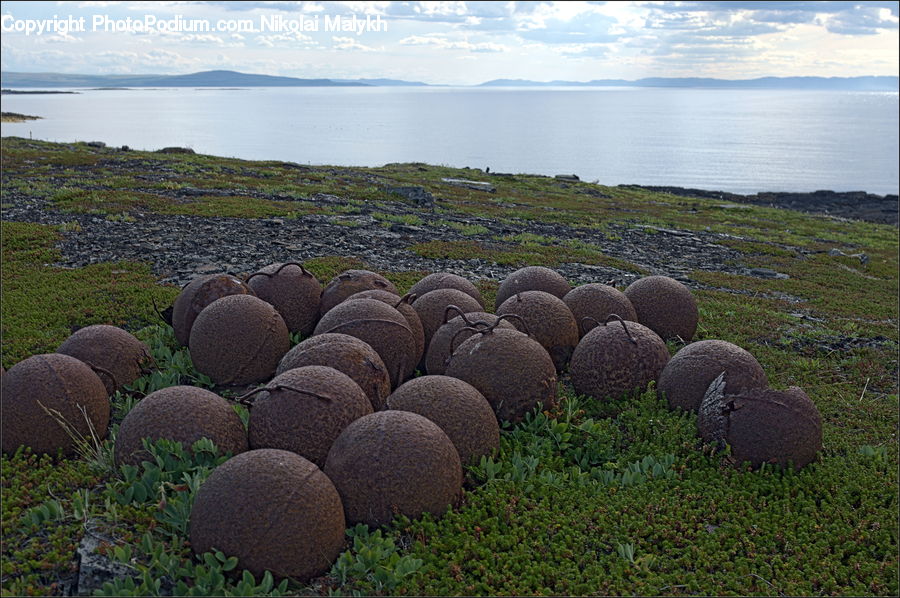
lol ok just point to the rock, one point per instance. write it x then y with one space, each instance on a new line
573 178
418 195
175 150
765 273
474 185
94 569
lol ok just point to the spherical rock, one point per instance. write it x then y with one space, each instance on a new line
616 359
762 425
379 325
238 339
304 409
512 370
438 353
202 291
446 280
60 383
457 408
532 278
593 303
432 308
182 414
119 355
394 463
684 380
349 282
665 306
404 306
273 510
347 354
291 290
548 320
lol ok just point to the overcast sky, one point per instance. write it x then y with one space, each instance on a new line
466 42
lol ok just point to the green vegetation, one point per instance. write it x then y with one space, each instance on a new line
15 117
589 497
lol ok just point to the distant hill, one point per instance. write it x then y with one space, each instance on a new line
201 79
824 83
384 82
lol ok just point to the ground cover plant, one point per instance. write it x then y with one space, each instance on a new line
591 497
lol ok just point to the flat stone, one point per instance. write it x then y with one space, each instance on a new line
475 185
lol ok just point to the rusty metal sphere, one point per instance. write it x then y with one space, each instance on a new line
119 356
532 278
446 280
349 282
201 292
594 302
665 306
293 291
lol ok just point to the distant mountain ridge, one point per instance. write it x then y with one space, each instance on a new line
223 78
865 83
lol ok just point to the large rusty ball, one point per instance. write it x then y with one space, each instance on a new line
593 303
512 370
404 306
62 384
273 510
379 325
432 308
238 339
684 380
532 278
548 320
202 291
665 306
118 355
182 414
616 359
457 408
293 291
350 282
393 463
304 409
438 353
346 354
762 425
446 280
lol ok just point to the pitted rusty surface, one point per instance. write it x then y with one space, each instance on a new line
202 291
272 509
432 307
438 354
293 291
184 414
60 383
549 320
616 359
686 377
457 408
513 371
347 354
532 278
349 282
447 280
665 306
310 408
113 349
592 303
394 462
404 306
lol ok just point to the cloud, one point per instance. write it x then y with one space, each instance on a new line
349 43
444 43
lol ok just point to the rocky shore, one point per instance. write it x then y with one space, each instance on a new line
857 205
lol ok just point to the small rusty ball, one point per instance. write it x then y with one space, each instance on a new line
665 306
762 425
446 280
438 353
304 409
202 291
548 320
346 354
685 379
273 510
120 357
238 339
291 290
60 383
532 278
512 370
593 303
432 307
404 306
611 361
182 414
379 325
393 463
457 408
349 282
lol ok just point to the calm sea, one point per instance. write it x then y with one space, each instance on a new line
740 141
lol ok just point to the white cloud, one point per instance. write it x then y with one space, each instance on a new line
444 43
349 43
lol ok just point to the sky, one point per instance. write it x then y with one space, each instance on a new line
455 43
